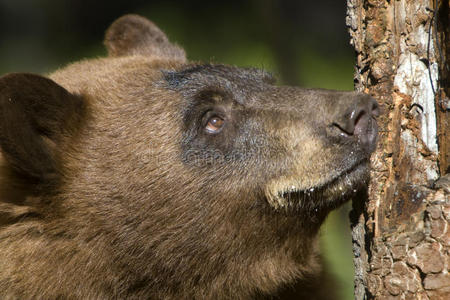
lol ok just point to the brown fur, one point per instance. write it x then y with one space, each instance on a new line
111 188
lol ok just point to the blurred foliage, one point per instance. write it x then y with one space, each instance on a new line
302 42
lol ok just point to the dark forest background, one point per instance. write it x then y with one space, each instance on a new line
303 42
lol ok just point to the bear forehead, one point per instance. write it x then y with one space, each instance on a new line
207 72
141 70
242 83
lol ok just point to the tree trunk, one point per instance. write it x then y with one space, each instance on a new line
401 234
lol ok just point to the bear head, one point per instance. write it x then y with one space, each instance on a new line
143 174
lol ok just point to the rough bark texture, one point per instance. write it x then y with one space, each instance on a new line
401 233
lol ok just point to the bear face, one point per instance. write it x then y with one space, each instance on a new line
143 175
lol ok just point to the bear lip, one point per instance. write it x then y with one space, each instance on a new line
338 188
363 163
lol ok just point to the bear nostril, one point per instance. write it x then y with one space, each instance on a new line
359 121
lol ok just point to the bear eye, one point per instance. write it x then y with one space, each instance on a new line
215 124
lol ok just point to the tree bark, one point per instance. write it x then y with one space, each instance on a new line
401 233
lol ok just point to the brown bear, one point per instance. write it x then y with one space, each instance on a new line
144 176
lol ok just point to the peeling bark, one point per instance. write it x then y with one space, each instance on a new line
401 233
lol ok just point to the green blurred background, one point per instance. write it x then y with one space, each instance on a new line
304 43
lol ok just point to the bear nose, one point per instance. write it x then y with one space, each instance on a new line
359 120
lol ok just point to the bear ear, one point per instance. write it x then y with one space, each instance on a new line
35 114
133 34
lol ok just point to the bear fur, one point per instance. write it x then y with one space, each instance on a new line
145 176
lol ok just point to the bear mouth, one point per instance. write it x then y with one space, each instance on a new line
328 196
